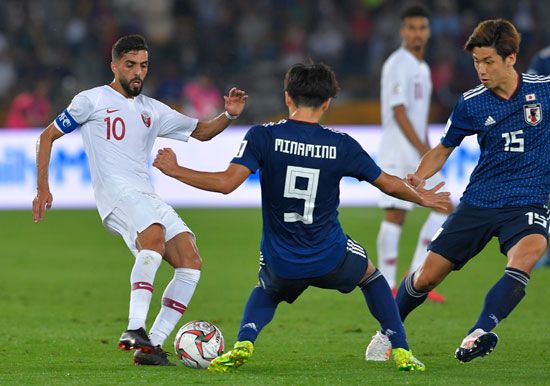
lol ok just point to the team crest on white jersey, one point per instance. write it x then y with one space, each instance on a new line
146 118
532 113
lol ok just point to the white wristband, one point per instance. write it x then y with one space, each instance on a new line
229 116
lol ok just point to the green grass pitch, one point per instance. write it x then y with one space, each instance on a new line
64 300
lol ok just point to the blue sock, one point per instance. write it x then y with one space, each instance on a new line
382 306
502 299
258 312
408 298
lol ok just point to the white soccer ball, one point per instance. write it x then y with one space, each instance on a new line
197 343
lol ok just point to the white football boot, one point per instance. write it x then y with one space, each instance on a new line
379 348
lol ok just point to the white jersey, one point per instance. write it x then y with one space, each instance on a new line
118 134
405 81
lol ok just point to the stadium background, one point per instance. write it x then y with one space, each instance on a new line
49 51
200 48
64 282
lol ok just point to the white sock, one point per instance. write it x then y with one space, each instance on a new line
176 298
432 224
387 244
141 280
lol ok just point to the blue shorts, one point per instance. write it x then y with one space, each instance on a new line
344 278
469 228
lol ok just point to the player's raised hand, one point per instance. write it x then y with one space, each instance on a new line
235 101
414 180
41 202
432 198
166 161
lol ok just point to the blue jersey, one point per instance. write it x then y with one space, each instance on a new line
540 65
301 165
514 139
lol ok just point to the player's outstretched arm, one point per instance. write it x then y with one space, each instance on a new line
44 198
235 101
430 198
222 182
431 163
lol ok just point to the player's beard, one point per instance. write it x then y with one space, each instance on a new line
130 91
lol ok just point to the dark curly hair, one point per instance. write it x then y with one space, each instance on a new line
128 43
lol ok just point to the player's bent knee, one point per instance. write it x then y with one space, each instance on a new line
194 262
156 245
182 252
152 238
527 252
432 272
540 248
186 260
369 271
527 261
425 281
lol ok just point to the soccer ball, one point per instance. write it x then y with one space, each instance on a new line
197 343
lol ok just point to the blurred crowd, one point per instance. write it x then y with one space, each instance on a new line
49 51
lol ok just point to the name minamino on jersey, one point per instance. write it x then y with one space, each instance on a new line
305 149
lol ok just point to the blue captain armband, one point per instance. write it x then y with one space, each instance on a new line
65 122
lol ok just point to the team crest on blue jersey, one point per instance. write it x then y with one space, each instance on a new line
532 113
146 118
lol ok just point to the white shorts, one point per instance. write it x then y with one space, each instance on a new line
136 211
389 202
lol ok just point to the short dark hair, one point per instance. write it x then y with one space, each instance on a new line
128 43
498 33
414 10
310 85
